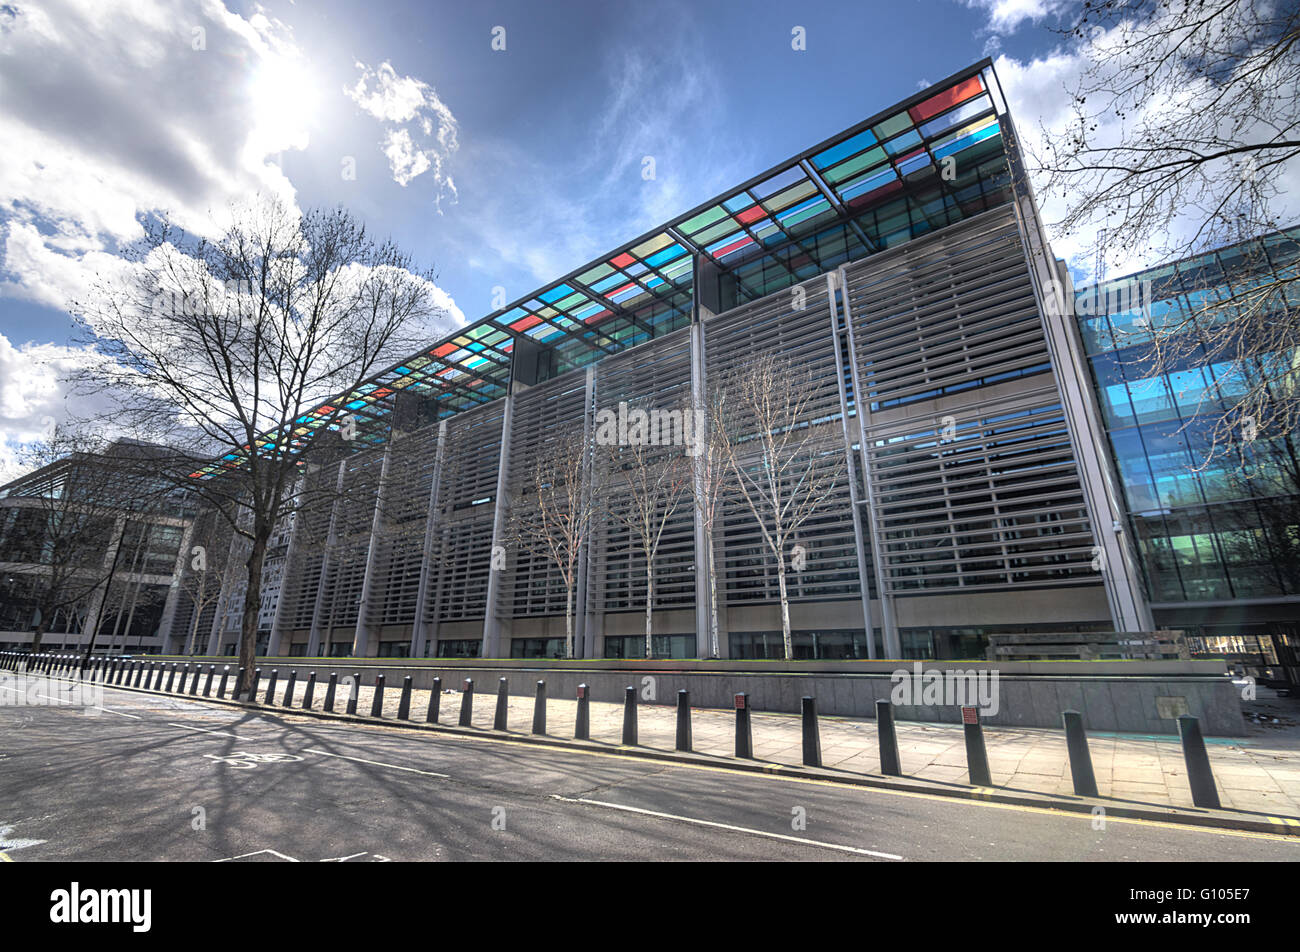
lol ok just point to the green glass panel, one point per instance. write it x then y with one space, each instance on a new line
854 166
595 274
703 219
892 126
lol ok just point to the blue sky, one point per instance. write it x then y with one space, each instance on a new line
498 168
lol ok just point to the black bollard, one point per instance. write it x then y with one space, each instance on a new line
309 692
582 719
812 739
467 703
289 687
139 673
539 709
225 673
629 716
684 739
330 688
270 686
171 678
1197 760
404 705
503 705
977 761
744 730
354 692
207 685
154 675
198 675
1076 742
240 675
435 701
890 765
252 685
377 705
185 676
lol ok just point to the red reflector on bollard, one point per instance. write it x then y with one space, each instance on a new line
582 690
465 685
970 715
740 702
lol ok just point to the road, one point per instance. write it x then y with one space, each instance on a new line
166 778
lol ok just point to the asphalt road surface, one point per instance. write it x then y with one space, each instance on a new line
165 778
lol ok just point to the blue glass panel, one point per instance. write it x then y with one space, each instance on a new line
863 140
557 292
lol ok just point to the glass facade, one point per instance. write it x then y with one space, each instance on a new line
1211 522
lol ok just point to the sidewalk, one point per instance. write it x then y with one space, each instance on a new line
1257 774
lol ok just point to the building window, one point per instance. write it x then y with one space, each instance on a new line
664 646
537 648
459 648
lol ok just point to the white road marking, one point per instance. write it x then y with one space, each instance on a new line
375 763
727 826
121 713
287 859
60 702
7 844
206 731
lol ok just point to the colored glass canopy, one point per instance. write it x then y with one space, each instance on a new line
923 164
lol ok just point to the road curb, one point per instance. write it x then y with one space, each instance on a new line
1083 806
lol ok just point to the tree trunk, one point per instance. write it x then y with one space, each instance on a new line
568 623
713 607
649 607
252 607
198 614
785 608
39 632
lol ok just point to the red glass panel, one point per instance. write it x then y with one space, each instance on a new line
967 89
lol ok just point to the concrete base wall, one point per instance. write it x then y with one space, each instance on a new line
1112 695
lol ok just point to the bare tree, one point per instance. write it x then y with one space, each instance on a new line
553 513
205 570
783 463
650 478
712 479
1185 124
244 348
63 523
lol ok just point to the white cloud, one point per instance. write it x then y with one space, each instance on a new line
32 398
108 112
404 158
420 132
1006 16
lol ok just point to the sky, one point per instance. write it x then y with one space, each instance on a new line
500 143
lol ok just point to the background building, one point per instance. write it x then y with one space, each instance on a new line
106 537
1218 531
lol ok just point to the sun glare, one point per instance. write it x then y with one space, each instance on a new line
286 98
